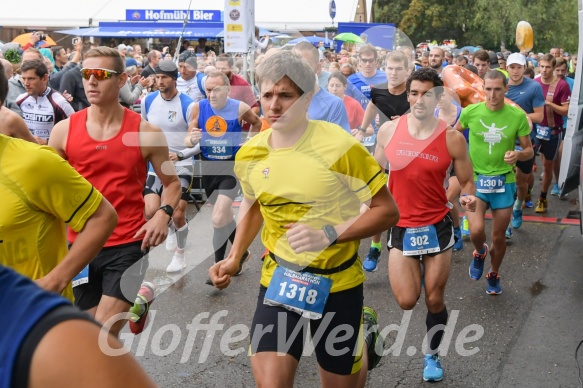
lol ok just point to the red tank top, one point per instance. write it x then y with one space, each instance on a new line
118 171
419 170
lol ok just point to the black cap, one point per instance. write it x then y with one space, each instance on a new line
168 68
185 55
493 60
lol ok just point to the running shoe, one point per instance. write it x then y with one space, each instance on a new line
375 343
541 206
528 202
371 260
508 233
178 262
465 227
477 265
556 191
139 311
171 241
244 258
493 287
459 244
432 370
516 219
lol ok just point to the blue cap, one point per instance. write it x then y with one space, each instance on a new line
131 62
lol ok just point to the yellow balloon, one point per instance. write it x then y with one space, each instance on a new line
524 36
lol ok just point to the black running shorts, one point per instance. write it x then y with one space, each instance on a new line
117 272
220 184
342 314
445 236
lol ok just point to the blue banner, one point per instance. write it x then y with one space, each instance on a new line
174 15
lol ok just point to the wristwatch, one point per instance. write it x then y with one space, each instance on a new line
361 129
330 233
180 155
167 209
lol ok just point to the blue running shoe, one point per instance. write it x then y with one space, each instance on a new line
493 287
516 219
432 370
477 265
528 201
465 227
556 191
459 244
508 233
370 261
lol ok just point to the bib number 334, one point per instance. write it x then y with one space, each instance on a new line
301 292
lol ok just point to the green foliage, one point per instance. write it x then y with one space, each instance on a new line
12 56
487 23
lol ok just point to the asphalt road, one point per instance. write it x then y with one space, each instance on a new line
525 337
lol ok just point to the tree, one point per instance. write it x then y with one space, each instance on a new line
487 23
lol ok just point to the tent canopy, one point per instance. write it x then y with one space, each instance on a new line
275 15
149 30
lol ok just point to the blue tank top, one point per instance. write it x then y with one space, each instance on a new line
22 304
221 130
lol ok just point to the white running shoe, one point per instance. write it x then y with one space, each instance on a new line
171 242
177 264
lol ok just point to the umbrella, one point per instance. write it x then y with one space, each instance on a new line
24 39
348 37
471 49
312 39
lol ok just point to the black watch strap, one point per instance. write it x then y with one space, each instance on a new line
167 209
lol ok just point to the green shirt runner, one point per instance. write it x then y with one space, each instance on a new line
491 134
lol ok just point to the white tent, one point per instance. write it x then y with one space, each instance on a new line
278 15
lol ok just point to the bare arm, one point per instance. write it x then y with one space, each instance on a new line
369 115
247 114
88 243
194 133
155 150
13 125
58 139
384 136
562 109
537 116
249 223
458 150
69 353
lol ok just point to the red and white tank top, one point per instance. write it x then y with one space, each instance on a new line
419 171
117 170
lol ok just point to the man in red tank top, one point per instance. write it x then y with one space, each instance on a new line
110 146
420 150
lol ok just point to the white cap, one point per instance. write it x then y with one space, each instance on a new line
122 47
516 59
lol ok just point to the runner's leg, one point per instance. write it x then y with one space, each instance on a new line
500 220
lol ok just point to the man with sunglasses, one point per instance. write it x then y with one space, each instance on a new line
110 146
170 110
367 76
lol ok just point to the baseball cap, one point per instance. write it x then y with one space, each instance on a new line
516 59
185 55
131 62
122 47
168 68
493 60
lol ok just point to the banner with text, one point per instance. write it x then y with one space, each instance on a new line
173 15
239 23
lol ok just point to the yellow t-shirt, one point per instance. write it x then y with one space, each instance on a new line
39 192
322 180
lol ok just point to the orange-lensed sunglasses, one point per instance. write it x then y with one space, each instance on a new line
99 74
